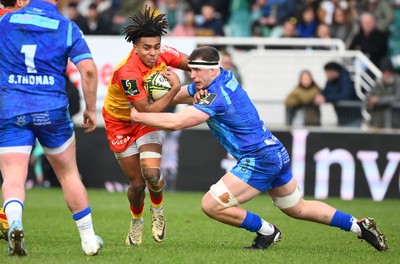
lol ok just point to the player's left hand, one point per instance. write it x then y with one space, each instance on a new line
199 95
89 121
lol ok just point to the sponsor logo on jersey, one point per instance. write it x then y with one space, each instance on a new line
130 87
31 79
166 49
208 99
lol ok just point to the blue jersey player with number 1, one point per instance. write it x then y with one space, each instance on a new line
36 43
262 161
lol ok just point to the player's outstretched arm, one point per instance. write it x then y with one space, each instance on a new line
88 71
188 117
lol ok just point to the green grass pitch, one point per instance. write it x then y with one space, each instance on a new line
51 235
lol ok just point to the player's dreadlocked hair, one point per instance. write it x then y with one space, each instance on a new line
146 24
8 3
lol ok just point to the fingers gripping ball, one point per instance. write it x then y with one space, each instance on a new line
156 86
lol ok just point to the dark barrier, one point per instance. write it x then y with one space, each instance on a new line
344 165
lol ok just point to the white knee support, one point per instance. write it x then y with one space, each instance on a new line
288 200
150 155
221 193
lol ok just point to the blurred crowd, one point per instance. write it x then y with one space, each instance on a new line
366 25
371 26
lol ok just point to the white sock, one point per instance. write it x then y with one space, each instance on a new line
266 228
355 228
85 227
13 210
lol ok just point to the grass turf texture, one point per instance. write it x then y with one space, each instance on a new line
51 235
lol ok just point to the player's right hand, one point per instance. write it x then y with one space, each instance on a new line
89 121
172 78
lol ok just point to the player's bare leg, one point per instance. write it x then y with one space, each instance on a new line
75 195
288 199
220 203
14 169
150 159
136 194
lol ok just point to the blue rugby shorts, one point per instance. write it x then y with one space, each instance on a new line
52 129
266 170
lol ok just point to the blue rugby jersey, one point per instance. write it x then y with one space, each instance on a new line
35 44
234 120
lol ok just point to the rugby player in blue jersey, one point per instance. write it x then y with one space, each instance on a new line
262 161
36 43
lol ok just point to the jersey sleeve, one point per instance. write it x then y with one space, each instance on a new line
171 56
191 89
79 50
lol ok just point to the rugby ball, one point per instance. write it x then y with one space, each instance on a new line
156 86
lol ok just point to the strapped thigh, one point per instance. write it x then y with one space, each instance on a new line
222 194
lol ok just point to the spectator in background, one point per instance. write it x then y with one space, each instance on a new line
343 26
188 26
289 29
370 40
382 11
74 15
307 26
300 106
211 25
239 19
227 64
256 13
274 14
339 87
323 31
95 23
385 92
175 10
325 11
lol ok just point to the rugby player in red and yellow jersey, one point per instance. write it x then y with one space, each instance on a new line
137 148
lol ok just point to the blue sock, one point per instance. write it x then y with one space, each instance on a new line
342 220
82 214
252 222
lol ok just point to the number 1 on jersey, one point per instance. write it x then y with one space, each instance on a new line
29 51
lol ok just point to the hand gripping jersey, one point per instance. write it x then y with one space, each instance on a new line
126 84
234 120
36 42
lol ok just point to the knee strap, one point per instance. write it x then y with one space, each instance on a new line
222 195
288 200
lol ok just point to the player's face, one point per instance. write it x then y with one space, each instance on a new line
202 77
148 50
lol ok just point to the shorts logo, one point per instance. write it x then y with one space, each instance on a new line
130 87
208 99
244 167
21 121
120 140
